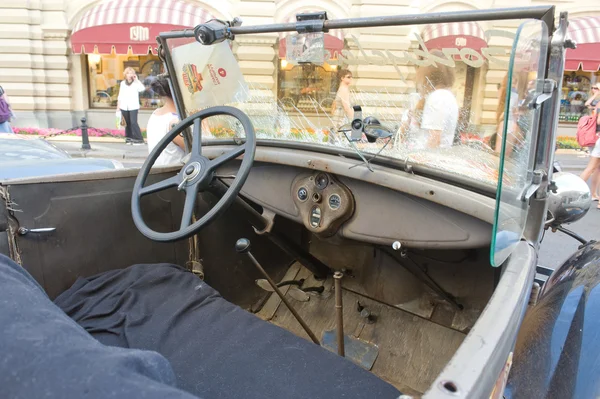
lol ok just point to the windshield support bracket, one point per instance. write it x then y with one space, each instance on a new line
548 87
532 188
313 22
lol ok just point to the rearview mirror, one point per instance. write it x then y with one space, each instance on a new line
569 201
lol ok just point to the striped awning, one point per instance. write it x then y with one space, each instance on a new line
454 35
132 24
334 40
585 31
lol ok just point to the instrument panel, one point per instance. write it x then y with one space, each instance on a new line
323 201
382 211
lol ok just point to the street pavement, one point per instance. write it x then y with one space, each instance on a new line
555 249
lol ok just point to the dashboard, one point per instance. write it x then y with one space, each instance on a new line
331 204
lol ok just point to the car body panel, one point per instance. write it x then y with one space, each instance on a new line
22 156
557 352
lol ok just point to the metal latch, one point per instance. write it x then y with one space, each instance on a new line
23 230
548 87
536 182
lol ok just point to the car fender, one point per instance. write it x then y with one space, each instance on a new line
557 353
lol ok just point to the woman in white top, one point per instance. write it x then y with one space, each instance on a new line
160 123
129 104
341 110
432 124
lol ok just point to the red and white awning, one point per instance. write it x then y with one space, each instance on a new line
454 35
132 24
585 31
334 40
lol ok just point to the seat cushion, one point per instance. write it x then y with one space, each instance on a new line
45 354
216 349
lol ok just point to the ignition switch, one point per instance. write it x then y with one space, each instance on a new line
315 217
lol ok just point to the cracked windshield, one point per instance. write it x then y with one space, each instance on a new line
432 96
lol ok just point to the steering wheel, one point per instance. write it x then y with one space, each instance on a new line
196 176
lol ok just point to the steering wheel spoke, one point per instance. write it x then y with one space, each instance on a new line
197 137
160 186
188 207
228 156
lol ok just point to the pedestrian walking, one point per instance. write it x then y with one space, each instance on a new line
128 103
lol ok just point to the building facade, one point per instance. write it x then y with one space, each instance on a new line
61 60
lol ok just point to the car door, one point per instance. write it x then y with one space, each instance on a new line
66 226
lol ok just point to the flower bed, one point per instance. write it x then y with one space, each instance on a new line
92 132
567 142
217 132
307 134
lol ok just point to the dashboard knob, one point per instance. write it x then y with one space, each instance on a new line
242 245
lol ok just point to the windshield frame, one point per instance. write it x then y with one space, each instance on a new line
543 13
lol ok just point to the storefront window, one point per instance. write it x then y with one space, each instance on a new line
576 89
306 88
106 74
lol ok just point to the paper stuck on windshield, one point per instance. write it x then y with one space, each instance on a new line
208 75
306 48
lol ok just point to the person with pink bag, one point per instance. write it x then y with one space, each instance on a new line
593 167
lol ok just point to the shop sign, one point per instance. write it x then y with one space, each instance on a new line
460 41
139 33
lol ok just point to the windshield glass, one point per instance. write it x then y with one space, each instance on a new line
522 89
428 95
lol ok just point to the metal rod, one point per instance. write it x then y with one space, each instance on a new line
572 234
312 335
317 268
258 221
339 312
537 12
85 141
416 271
550 109
177 34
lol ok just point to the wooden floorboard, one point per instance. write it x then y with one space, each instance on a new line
268 310
412 350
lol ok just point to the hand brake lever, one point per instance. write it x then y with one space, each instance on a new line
242 246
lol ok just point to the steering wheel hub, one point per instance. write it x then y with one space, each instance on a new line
192 170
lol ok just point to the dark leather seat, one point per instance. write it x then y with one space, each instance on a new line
216 349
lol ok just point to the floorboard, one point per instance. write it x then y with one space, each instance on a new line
412 349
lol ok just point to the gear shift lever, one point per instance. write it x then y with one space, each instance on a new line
242 246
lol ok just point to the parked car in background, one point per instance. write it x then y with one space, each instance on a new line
22 156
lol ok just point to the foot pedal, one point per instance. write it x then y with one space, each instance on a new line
301 294
298 294
264 284
361 352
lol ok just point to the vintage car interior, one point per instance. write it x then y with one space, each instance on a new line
431 281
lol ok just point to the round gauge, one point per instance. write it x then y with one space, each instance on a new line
334 201
321 181
302 194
